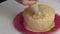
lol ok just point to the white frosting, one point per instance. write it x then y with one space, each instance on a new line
35 8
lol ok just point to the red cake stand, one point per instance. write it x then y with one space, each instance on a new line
18 24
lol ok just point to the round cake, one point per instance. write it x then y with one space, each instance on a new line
42 21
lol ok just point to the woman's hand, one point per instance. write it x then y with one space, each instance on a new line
28 2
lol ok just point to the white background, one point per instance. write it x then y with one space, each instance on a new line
10 8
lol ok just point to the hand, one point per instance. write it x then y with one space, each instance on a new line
27 2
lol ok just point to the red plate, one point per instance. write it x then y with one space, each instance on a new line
18 23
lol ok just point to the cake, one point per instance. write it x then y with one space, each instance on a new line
42 21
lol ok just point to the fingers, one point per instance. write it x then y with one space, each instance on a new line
29 2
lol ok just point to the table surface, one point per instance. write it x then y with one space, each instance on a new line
10 8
